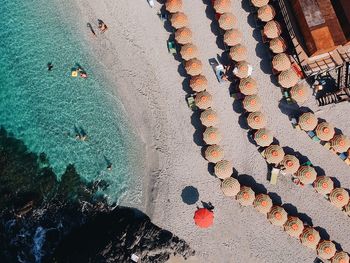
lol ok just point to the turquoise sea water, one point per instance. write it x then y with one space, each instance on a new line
45 109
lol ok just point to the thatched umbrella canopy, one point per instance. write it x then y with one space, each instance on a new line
340 257
222 6
263 203
300 92
203 100
326 249
277 216
256 120
230 186
308 121
227 21
209 118
189 51
193 67
243 69
347 208
325 131
248 86
263 137
173 6
259 3
323 184
291 164
238 52
198 83
339 197
223 169
306 174
272 29
274 154
310 237
266 13
214 153
183 35
212 136
281 62
179 20
245 196
288 78
340 143
252 103
278 45
232 37
294 226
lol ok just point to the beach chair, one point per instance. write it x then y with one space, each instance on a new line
219 72
171 47
190 102
316 139
274 175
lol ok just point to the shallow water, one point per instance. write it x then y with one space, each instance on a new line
46 109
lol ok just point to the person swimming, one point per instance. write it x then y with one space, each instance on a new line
49 66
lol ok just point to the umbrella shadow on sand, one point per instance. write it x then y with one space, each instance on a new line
190 195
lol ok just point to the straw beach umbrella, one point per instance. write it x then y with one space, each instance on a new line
326 249
272 29
173 6
306 174
245 196
339 197
325 131
294 226
256 120
198 83
222 6
266 13
223 169
214 153
278 45
183 35
263 137
252 103
259 3
203 100
347 208
340 143
189 51
242 69
238 52
299 92
281 62
277 216
232 37
274 154
230 186
263 203
307 121
212 136
323 185
310 237
290 163
227 21
193 67
288 78
248 86
340 257
209 118
179 20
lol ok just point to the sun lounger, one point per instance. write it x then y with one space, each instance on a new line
237 96
308 163
347 161
274 175
286 95
151 3
343 156
311 134
327 145
190 102
171 47
219 72
163 16
295 124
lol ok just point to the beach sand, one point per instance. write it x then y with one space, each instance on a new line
152 87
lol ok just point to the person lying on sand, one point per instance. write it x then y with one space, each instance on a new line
102 26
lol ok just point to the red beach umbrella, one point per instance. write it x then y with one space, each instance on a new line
203 218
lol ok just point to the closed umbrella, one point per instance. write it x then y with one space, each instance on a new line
290 164
259 3
183 35
222 6
263 137
212 136
245 196
203 218
238 52
179 20
248 86
266 13
339 197
243 70
310 237
277 215
252 103
203 100
323 184
193 67
340 143
232 37
294 226
288 78
340 257
214 153
198 83
306 174
230 186
281 62
209 118
227 21
278 45
347 208
263 203
256 120
308 121
274 154
325 131
326 249
300 92
173 6
272 29
189 51
223 169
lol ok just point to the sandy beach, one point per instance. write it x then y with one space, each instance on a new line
152 87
